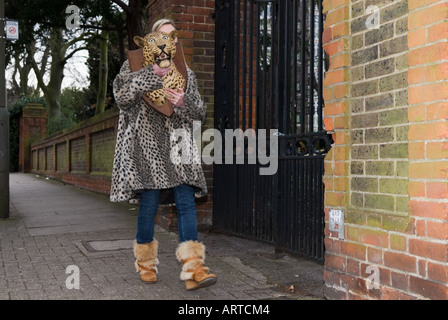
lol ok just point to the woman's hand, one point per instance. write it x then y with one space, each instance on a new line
176 97
160 71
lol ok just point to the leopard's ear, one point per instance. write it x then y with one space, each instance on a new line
139 41
173 34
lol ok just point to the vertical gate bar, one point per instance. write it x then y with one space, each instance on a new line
265 54
255 199
295 62
246 173
262 220
237 69
272 67
314 206
291 215
258 196
287 200
311 71
311 206
258 71
237 41
252 196
296 196
308 199
292 178
286 204
244 63
231 58
247 198
322 210
312 213
287 51
282 93
305 206
317 205
239 217
302 204
317 210
276 225
262 213
320 68
303 67
251 63
293 203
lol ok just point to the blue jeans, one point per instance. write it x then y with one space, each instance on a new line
186 214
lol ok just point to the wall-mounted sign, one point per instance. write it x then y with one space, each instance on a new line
12 29
336 222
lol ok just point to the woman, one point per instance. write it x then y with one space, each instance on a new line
143 170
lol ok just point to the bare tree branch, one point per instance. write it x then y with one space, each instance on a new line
67 57
44 60
87 26
122 5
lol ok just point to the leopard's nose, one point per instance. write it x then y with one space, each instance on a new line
161 47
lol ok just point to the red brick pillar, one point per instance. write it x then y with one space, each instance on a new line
386 94
33 126
428 142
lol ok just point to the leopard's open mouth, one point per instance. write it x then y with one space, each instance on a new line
163 60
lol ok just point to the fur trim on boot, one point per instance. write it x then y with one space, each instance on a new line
146 263
192 255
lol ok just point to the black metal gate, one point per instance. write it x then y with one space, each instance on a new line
269 74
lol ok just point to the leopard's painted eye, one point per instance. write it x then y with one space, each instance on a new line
152 40
165 37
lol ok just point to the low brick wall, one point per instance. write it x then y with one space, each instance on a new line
82 156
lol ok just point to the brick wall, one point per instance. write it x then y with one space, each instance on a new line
82 156
193 19
386 97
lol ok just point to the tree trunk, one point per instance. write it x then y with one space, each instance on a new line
53 89
102 85
133 22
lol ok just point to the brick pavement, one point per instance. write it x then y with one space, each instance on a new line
53 226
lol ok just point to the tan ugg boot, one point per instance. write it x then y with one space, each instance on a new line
192 255
146 263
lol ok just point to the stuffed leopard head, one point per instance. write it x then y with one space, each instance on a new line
158 47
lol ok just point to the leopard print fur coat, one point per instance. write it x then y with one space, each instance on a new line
144 141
